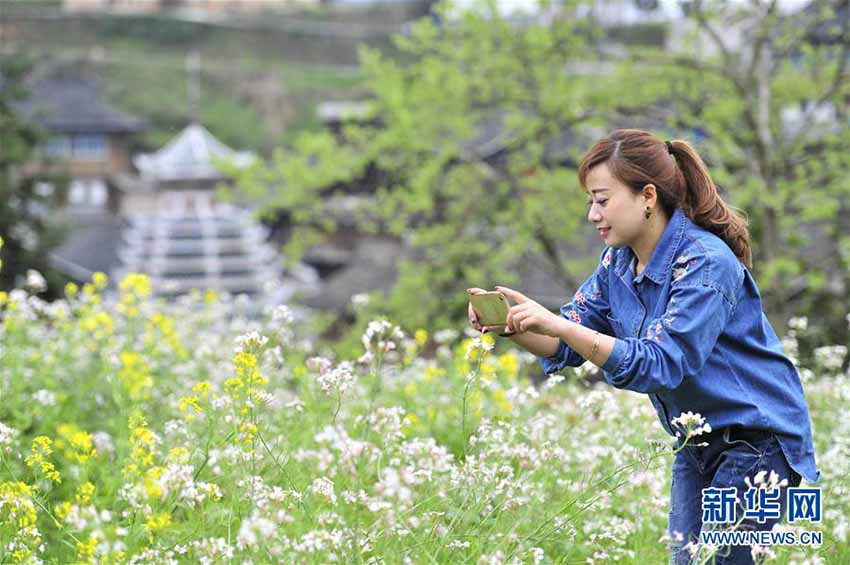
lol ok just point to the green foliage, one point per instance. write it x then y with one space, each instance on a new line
473 211
788 173
468 216
24 207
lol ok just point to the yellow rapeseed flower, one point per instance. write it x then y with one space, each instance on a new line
18 511
78 445
189 407
153 488
248 431
155 523
62 510
433 373
85 493
509 364
501 402
143 446
85 550
135 374
136 284
410 424
202 389
135 288
71 290
421 337
38 460
100 280
178 455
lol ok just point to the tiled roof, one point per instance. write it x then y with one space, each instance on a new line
189 156
75 106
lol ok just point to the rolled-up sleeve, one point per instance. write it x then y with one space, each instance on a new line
677 344
588 307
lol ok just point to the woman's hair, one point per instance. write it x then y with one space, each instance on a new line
637 158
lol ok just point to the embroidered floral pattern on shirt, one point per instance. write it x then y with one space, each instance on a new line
655 331
573 315
606 260
580 298
682 265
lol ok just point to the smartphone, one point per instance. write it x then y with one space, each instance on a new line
492 308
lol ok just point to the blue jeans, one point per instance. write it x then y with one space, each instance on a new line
731 455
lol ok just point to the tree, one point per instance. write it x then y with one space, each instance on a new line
473 215
774 111
25 201
470 214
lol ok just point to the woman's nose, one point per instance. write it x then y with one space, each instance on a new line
593 215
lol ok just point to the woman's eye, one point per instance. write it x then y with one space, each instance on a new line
602 202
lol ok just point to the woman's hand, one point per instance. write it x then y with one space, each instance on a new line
473 313
529 316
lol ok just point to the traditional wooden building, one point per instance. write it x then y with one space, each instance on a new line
89 140
179 234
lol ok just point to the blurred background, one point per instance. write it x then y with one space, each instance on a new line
364 158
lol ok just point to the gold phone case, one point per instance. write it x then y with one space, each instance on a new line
492 308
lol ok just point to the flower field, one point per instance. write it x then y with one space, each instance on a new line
134 432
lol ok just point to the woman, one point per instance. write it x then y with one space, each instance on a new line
673 311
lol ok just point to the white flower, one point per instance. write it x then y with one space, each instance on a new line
103 442
688 419
445 336
761 553
381 336
693 424
251 527
250 340
799 323
457 544
361 299
7 434
553 381
537 555
35 282
477 345
44 397
830 357
339 379
283 314
324 487
318 364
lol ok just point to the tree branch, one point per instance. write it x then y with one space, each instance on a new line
702 20
807 120
763 35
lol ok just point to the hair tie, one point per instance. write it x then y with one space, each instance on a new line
669 147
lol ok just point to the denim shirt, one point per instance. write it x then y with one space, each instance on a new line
691 333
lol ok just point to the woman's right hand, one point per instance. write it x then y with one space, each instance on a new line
473 314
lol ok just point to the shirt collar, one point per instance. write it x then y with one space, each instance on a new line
662 257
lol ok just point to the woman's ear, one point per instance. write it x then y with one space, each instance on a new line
650 194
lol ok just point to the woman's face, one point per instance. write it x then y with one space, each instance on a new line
615 210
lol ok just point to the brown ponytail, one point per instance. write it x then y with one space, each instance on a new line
637 158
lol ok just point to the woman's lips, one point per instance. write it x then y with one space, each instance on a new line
603 233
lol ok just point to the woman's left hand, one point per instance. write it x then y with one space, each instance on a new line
526 315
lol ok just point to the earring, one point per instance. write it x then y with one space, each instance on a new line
647 213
